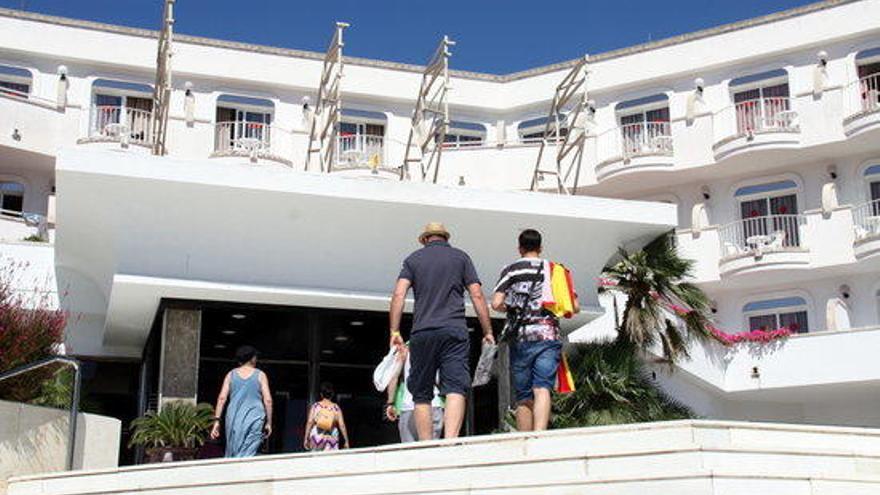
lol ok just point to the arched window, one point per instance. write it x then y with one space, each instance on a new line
361 137
644 124
762 101
533 130
772 314
872 176
11 198
868 67
119 106
242 122
15 81
769 209
464 134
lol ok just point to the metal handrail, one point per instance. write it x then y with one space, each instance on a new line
74 405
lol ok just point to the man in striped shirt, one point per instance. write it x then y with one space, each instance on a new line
535 346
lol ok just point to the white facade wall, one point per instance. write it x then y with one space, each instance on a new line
709 157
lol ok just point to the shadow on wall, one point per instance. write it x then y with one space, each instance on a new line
34 440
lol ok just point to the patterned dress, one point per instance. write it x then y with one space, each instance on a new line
321 440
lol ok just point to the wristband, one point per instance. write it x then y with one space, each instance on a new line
395 333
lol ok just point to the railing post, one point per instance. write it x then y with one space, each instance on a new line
74 415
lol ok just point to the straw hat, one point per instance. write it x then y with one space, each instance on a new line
434 228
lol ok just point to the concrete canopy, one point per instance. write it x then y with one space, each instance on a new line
134 229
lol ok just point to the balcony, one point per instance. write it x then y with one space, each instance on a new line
252 140
759 243
757 124
360 152
866 223
644 146
862 106
115 124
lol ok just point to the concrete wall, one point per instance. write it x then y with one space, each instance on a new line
34 440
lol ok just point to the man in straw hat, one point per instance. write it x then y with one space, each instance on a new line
439 274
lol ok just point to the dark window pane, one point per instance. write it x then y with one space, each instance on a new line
763 322
796 321
17 89
108 101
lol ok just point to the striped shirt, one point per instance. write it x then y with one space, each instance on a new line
515 281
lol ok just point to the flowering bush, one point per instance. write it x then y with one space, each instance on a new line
728 339
30 329
757 336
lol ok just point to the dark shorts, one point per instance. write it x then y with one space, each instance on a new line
534 365
446 350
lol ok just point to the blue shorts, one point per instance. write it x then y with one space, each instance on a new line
534 365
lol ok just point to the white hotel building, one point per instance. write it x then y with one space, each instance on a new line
763 134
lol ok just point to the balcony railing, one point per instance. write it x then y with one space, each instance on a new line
866 220
764 114
127 125
869 92
646 138
360 150
758 235
242 138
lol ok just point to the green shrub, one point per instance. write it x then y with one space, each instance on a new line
177 425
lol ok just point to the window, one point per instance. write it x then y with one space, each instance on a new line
361 137
464 134
242 122
770 212
868 65
644 124
533 131
772 314
122 105
872 175
11 198
15 81
761 102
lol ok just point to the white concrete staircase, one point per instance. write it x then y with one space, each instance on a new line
681 458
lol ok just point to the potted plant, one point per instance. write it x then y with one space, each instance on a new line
174 433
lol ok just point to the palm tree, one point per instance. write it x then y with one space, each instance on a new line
661 305
612 388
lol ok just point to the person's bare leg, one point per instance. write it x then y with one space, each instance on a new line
454 415
422 416
524 419
541 409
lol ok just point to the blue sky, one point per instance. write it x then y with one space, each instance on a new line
494 36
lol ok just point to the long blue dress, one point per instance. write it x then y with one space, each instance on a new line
245 415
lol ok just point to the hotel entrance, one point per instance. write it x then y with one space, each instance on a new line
300 348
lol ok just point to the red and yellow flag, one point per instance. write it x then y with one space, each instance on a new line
564 380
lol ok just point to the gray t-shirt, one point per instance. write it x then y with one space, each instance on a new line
439 274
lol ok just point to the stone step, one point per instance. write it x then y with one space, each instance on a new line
685 454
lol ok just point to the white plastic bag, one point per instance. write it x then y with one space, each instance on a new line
484 366
387 369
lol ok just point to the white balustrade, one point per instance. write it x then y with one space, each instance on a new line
128 125
757 235
764 114
646 138
866 220
869 93
360 150
251 138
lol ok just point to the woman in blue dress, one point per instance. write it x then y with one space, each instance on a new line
249 413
